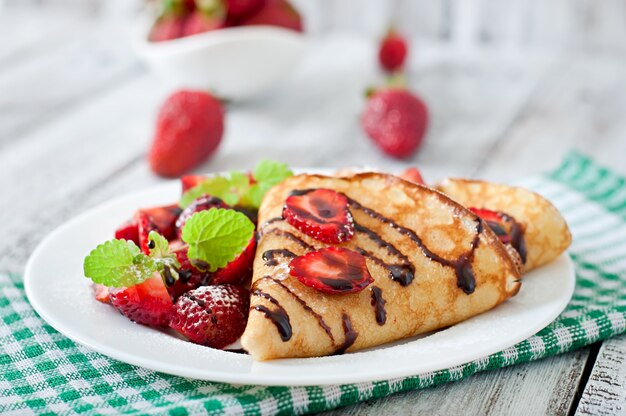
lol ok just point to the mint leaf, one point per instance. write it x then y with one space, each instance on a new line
160 244
235 189
217 236
266 174
162 255
270 172
118 263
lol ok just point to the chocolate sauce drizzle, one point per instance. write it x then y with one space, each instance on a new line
350 335
302 303
278 316
462 266
269 256
402 272
379 305
517 236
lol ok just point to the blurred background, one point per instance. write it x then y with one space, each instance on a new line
511 87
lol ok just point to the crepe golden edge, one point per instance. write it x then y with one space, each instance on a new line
546 232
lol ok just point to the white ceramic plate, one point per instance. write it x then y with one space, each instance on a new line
58 291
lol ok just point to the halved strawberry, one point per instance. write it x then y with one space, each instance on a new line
189 278
495 221
214 316
159 219
320 213
239 269
190 181
164 218
412 175
147 303
333 270
128 231
101 293
200 204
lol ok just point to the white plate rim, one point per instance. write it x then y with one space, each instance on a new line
267 377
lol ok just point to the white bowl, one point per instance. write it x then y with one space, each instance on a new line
234 63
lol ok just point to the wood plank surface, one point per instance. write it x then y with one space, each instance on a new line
545 387
605 392
76 115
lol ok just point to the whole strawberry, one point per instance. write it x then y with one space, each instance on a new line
200 22
167 27
189 128
276 13
392 51
214 316
241 9
396 121
171 22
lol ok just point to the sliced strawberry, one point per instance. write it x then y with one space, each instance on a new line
201 204
496 222
412 175
320 213
191 181
147 303
101 293
214 316
128 231
189 278
159 219
164 218
333 270
239 269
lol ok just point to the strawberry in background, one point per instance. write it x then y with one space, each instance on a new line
396 120
189 128
392 51
208 15
181 18
276 13
242 9
171 22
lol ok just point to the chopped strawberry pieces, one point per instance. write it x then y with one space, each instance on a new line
200 204
147 303
333 270
239 269
128 231
214 316
320 213
412 175
159 219
189 278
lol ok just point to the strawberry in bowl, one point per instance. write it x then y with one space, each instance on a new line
222 46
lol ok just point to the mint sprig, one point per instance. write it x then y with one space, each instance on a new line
160 252
234 188
118 263
216 237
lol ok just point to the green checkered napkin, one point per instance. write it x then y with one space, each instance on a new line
41 371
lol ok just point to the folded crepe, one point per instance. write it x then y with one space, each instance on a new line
433 262
543 229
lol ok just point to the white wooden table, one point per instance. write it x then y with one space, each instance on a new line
76 116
